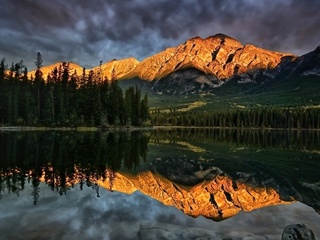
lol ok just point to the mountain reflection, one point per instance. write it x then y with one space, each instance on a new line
212 173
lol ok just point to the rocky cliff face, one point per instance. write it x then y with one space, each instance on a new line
219 55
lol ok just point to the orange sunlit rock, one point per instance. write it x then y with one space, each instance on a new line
217 199
218 55
48 69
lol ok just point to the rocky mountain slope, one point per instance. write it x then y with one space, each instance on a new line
116 69
219 55
48 69
203 64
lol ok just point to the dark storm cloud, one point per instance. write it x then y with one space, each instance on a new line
89 31
284 25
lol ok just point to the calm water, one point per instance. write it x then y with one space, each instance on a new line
170 184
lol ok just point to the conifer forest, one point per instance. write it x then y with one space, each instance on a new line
66 98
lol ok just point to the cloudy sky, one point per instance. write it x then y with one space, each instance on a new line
89 31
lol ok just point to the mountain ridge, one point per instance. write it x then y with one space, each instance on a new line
206 55
200 65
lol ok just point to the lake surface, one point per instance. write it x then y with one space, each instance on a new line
158 184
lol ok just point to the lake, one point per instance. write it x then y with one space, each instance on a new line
158 184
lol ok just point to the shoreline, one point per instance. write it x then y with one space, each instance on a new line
76 129
131 128
239 128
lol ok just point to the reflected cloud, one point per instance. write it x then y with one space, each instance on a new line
80 214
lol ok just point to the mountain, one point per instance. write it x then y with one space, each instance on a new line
117 69
202 65
48 69
308 64
219 55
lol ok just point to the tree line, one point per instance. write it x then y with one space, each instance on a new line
264 117
65 98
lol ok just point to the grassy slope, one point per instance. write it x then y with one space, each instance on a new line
289 92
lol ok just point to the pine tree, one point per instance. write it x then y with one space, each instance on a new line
62 96
128 105
72 100
104 95
10 107
3 91
39 84
113 106
145 110
2 70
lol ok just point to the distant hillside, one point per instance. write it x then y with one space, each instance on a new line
48 69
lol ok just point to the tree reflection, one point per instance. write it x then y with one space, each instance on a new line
62 160
35 190
284 139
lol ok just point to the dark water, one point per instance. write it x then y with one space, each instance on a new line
170 184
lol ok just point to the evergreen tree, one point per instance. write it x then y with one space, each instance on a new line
72 99
104 95
35 190
128 106
145 109
39 85
13 93
62 94
2 70
113 103
3 91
